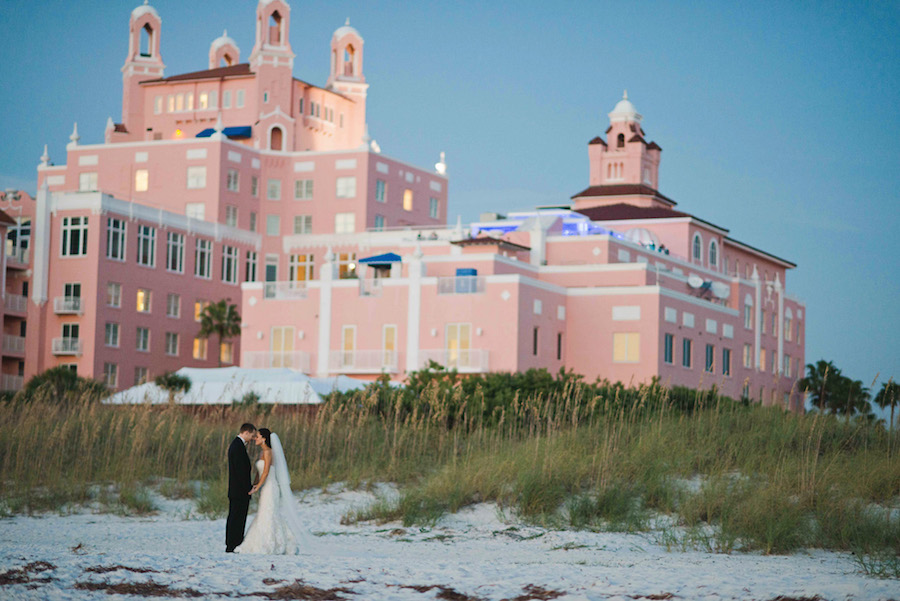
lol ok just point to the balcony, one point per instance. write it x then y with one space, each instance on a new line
67 305
464 361
17 257
297 360
11 383
284 290
370 287
13 345
66 346
16 303
461 284
363 362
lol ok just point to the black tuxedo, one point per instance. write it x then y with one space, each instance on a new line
238 493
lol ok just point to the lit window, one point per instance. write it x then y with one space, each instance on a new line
199 307
175 252
303 224
179 102
173 305
230 264
762 359
232 180
273 225
113 294
273 189
199 348
433 208
111 337
203 101
346 187
143 339
203 259
146 246
172 344
301 268
686 351
626 347
380 190
250 273
226 352
74 236
141 180
143 300
346 265
407 200
231 216
170 103
344 223
196 177
115 239
87 182
189 102
303 189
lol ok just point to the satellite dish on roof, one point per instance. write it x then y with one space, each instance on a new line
721 290
695 281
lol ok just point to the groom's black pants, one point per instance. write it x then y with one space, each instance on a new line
237 520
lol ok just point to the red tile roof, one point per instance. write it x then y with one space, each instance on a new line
6 219
653 146
233 70
483 240
623 190
637 138
597 140
120 127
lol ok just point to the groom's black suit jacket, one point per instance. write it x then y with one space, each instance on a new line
238 470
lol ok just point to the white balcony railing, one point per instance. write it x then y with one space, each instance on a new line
66 346
284 290
370 287
464 361
16 303
11 383
13 344
298 360
363 362
461 284
16 254
67 304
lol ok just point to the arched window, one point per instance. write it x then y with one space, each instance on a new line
349 58
226 61
146 40
713 253
275 23
697 248
276 138
748 312
620 141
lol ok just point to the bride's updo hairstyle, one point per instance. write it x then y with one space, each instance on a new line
267 435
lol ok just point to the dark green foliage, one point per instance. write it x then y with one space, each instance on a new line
173 384
831 391
61 385
221 319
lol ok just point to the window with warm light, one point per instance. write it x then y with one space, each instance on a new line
407 200
626 347
143 300
199 306
200 345
141 180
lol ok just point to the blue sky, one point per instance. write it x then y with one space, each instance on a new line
777 120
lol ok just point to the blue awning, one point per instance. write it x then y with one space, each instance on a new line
385 259
241 131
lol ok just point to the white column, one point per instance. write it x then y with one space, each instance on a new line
757 313
414 310
325 288
40 244
780 292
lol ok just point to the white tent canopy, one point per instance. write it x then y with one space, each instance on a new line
225 385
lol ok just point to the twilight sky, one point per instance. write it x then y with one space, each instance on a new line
778 120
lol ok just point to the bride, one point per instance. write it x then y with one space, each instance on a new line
276 530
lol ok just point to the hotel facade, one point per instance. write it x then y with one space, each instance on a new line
243 182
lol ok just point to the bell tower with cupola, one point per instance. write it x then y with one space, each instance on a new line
223 52
347 62
273 61
143 62
625 157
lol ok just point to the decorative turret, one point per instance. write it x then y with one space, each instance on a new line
273 26
143 62
223 52
347 62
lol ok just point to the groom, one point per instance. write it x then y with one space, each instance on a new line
238 487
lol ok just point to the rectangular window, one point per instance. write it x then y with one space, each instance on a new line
626 347
379 222
433 208
143 339
199 351
250 275
380 190
196 177
726 362
762 359
111 375
668 350
748 316
459 344
346 187
762 321
303 189
787 366
146 246
407 200
233 180
87 182
303 224
230 264
74 236
172 344
389 345
195 210
114 294
203 101
254 186
70 331
748 356
140 375
346 265
213 99
175 252
301 268
344 223
179 102
143 300
203 259
170 103
774 324
226 352
239 99
686 352
273 225
709 365
112 334
115 239
173 305
141 180
559 346
199 307
300 110
273 189
231 216
282 346
774 362
788 329
252 221
226 99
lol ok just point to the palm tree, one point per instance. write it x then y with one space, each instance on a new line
221 319
889 396
173 383
819 382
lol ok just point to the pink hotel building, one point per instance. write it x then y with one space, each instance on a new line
244 182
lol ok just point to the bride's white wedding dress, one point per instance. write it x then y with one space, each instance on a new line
276 529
